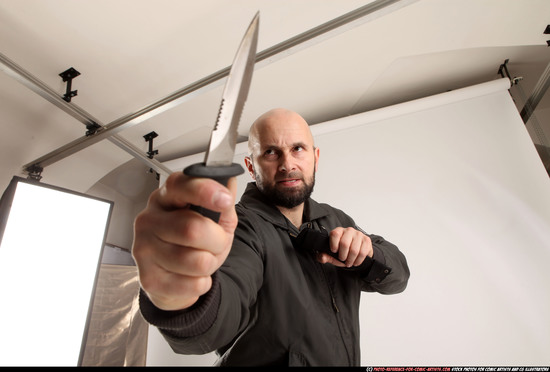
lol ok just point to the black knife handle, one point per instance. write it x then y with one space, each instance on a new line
316 240
222 174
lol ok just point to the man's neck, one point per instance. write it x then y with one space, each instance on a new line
294 215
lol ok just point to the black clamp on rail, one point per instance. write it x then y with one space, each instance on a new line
149 138
92 128
68 76
34 172
151 153
503 71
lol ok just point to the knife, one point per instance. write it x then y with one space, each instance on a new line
218 161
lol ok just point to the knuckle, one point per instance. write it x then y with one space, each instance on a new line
141 219
149 283
141 252
192 229
205 283
205 263
171 180
197 286
367 239
153 196
144 221
337 232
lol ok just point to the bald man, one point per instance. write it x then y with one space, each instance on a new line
277 281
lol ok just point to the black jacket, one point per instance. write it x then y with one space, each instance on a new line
272 303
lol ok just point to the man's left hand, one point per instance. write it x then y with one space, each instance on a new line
351 245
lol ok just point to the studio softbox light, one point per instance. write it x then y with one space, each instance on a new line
51 242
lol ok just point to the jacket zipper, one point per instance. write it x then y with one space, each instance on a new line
334 306
336 311
333 300
331 293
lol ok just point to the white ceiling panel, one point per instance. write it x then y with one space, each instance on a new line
133 53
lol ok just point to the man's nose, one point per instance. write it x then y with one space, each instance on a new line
286 163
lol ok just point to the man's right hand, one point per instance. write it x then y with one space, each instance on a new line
176 249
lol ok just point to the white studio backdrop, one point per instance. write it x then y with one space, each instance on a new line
455 181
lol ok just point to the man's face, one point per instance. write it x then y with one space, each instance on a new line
284 161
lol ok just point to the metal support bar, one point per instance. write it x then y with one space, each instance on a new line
537 133
329 29
37 86
538 92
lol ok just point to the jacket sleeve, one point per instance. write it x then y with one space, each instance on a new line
387 272
183 323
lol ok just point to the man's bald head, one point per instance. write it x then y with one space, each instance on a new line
277 120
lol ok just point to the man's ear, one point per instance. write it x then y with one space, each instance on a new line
316 154
249 166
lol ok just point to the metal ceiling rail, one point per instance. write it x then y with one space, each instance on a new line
31 82
329 29
538 92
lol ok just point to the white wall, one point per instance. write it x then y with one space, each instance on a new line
455 181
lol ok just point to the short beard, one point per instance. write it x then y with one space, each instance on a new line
287 198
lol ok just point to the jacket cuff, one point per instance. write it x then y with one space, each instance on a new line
189 322
374 269
378 255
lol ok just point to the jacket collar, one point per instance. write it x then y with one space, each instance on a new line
253 199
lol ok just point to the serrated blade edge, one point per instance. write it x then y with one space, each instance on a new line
223 139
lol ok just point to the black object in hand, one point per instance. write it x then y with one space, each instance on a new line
222 174
315 240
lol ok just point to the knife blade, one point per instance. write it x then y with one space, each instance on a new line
218 161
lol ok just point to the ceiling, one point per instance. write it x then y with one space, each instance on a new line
133 53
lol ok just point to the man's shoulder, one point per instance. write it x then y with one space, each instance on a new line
325 210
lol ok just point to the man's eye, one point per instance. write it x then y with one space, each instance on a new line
298 148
